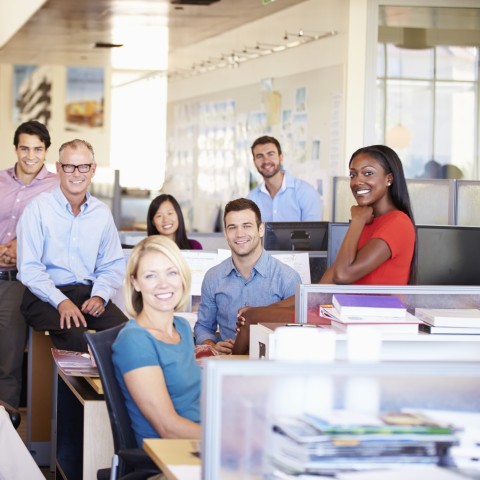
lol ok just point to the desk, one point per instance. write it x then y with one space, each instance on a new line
96 384
84 436
174 457
40 397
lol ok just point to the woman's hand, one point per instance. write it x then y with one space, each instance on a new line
241 318
363 213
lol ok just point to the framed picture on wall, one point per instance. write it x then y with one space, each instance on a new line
32 86
84 104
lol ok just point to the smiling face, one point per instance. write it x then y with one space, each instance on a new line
267 159
159 282
242 233
166 220
370 183
31 155
75 185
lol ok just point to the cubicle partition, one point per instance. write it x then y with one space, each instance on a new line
247 397
434 201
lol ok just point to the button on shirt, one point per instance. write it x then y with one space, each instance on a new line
56 248
225 290
16 195
296 201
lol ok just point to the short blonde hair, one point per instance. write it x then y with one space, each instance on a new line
161 244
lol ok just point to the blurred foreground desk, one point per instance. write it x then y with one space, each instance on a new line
84 442
175 458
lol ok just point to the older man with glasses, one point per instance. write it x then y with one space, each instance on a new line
69 255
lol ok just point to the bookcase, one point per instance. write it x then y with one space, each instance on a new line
246 398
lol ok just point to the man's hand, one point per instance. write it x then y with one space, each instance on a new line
224 347
94 306
69 311
8 254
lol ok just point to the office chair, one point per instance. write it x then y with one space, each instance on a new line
13 413
129 462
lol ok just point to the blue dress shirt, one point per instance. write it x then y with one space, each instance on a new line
57 248
296 201
225 291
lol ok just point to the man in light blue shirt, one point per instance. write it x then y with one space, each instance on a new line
281 197
250 277
69 255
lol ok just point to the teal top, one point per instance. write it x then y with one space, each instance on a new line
135 348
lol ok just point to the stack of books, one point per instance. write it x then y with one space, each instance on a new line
385 313
457 321
345 441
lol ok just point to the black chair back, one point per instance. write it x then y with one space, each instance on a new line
128 458
101 346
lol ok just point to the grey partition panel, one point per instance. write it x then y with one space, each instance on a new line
433 201
342 199
210 241
468 203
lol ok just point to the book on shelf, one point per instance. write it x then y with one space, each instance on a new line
408 325
450 317
374 305
424 327
332 313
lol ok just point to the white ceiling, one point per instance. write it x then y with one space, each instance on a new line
64 31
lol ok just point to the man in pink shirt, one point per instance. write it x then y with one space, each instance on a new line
18 185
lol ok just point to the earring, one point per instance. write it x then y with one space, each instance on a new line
389 183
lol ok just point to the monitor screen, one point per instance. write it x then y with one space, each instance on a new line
336 233
448 255
297 236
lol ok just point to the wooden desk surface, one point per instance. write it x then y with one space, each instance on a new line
96 384
175 458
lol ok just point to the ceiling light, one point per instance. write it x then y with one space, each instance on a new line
107 45
414 39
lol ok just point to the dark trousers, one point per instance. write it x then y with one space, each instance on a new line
13 334
42 316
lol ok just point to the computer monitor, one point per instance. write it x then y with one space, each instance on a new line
296 236
448 255
336 234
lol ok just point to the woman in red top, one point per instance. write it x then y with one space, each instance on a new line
379 247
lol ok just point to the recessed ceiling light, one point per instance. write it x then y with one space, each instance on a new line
107 45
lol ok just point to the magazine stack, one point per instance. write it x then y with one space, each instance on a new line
348 442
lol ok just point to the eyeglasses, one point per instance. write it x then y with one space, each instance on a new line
69 168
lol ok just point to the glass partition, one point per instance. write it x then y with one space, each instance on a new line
243 399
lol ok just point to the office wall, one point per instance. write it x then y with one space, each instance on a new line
98 137
204 175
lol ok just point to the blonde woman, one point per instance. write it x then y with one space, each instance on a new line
154 353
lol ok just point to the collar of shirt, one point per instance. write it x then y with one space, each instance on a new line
287 182
260 267
40 175
62 200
